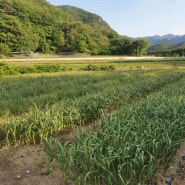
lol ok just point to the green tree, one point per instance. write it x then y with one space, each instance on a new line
127 46
140 46
58 40
4 49
116 46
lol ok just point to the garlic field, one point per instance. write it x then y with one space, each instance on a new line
140 116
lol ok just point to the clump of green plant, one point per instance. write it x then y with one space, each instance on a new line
27 69
48 68
7 69
92 67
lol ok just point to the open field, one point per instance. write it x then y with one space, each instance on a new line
137 116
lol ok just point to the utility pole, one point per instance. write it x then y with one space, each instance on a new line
183 52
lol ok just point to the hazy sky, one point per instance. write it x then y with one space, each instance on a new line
136 18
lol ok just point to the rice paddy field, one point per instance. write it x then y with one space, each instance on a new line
137 113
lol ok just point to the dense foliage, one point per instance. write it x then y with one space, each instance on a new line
36 25
86 17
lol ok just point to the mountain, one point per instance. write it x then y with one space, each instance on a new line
36 25
85 17
167 39
159 47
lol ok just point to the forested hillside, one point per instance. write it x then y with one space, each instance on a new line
86 17
36 25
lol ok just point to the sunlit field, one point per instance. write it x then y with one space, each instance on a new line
53 65
138 111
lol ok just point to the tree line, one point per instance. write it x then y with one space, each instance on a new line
180 52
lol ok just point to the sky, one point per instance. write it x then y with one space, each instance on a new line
136 18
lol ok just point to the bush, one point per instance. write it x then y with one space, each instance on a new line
6 69
27 69
48 68
4 48
99 68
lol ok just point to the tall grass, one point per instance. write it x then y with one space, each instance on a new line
129 146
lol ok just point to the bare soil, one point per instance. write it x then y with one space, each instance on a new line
176 172
27 165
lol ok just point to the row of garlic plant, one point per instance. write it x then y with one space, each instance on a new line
19 93
129 146
42 123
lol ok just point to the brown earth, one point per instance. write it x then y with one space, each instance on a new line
176 172
28 165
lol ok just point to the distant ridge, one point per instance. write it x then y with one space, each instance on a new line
167 39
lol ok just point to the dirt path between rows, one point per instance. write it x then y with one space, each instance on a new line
175 174
27 165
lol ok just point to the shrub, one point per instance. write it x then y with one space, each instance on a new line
99 68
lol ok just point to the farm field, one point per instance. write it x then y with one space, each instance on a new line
48 65
137 116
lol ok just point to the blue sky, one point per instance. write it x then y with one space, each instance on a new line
136 18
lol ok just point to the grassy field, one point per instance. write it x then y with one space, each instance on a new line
140 115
